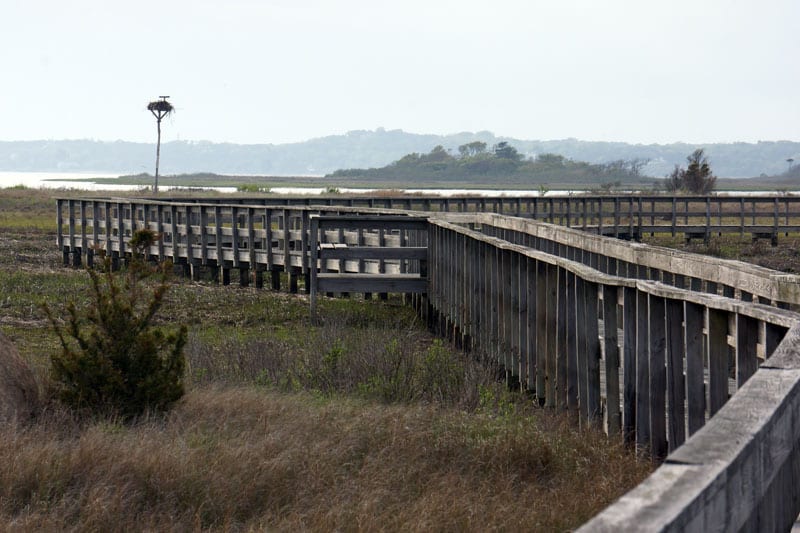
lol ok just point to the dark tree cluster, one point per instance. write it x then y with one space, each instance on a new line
696 178
474 162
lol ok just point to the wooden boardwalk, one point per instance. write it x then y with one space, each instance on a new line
585 322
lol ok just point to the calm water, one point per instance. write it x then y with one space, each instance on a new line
56 180
45 180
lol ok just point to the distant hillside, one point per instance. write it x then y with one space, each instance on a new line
477 163
788 180
367 149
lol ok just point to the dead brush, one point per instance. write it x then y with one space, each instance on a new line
244 458
20 396
757 248
388 362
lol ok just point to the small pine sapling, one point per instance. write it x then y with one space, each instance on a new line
114 358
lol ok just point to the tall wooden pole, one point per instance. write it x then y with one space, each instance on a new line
158 152
159 109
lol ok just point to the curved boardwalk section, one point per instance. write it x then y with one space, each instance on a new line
739 473
693 360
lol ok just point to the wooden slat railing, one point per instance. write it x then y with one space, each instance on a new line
626 216
652 363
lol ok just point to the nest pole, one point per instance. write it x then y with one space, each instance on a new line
158 152
159 109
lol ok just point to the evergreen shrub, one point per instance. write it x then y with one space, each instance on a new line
114 358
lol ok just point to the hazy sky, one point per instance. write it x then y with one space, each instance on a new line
275 71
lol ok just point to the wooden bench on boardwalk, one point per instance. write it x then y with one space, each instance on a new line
340 267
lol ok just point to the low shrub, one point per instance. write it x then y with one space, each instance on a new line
113 357
252 188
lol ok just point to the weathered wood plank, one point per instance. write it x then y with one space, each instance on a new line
561 340
533 333
375 252
514 316
629 359
373 222
717 342
573 381
541 330
746 348
390 283
612 362
522 318
593 352
676 395
642 372
581 347
552 346
658 377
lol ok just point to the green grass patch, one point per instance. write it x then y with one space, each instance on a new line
22 293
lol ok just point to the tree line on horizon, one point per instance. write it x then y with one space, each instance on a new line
368 149
475 161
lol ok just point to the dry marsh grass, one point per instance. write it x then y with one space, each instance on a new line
19 389
242 458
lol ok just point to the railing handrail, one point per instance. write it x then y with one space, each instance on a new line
774 315
735 474
758 280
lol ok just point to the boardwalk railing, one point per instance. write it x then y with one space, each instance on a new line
739 473
539 314
648 343
655 364
219 238
734 279
622 216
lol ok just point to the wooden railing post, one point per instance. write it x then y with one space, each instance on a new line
746 348
593 353
313 243
676 353
612 363
642 372
629 360
658 377
717 342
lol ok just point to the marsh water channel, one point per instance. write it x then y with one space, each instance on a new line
85 181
